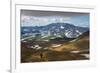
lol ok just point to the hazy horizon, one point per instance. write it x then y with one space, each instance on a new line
42 18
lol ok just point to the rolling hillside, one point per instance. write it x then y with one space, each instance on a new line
82 42
75 49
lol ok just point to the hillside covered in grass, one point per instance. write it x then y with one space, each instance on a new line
54 50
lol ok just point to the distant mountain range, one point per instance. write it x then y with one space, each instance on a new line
53 30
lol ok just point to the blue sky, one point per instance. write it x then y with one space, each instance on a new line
41 18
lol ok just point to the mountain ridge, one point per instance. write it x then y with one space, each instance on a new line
54 30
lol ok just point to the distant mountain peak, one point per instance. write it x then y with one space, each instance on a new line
54 30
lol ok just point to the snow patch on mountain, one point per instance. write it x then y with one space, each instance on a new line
54 30
62 27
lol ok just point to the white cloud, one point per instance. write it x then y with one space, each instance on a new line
36 21
31 21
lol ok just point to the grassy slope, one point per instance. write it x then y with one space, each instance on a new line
57 54
82 42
